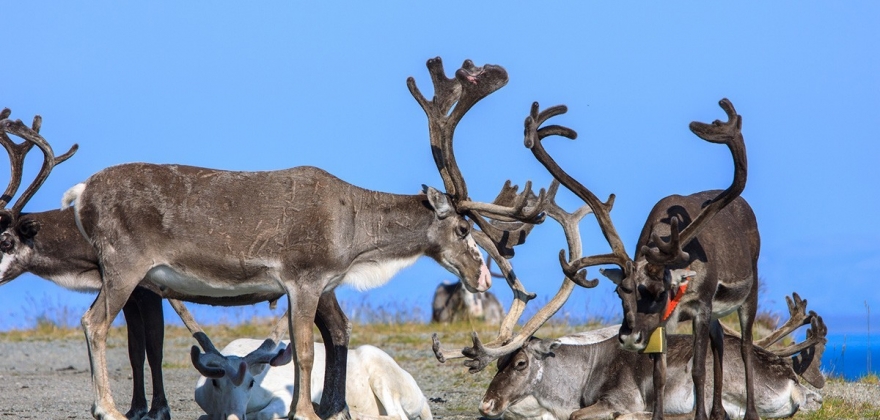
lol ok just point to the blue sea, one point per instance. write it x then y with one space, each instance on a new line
851 356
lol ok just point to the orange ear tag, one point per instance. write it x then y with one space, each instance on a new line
657 342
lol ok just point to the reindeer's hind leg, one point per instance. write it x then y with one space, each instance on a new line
150 305
96 323
335 330
134 325
716 336
747 313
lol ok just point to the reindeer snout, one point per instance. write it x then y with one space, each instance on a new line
633 341
488 409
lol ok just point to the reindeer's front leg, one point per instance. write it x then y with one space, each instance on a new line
335 330
716 335
96 323
701 343
659 384
303 307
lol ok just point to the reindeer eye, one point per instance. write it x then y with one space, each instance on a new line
520 364
463 228
214 382
251 385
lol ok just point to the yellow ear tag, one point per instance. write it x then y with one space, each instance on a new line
657 342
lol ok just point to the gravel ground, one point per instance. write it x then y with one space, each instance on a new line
51 380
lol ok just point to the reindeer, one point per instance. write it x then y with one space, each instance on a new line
252 379
452 303
201 234
719 245
590 376
49 244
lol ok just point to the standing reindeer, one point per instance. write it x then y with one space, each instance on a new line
49 244
709 268
204 235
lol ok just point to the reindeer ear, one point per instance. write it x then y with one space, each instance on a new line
29 228
613 274
283 357
439 202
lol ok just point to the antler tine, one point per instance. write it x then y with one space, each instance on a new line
730 134
49 160
17 153
533 137
815 336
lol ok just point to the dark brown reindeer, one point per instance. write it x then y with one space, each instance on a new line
206 235
49 244
719 244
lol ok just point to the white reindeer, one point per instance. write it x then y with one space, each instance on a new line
253 379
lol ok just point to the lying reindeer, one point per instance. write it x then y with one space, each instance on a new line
254 379
589 376
453 302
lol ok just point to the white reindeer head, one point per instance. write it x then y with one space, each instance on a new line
229 380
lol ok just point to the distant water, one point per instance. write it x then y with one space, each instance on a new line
851 355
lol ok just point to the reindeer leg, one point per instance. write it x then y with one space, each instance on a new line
701 343
150 305
659 384
335 330
134 325
716 336
747 313
303 307
96 323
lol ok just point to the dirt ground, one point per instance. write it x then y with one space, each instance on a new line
51 379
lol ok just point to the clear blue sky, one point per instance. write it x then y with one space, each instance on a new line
258 87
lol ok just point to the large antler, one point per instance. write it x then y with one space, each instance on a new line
573 267
17 153
798 316
729 133
482 354
453 97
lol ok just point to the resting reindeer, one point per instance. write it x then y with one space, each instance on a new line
589 376
50 245
204 234
719 244
452 303
254 379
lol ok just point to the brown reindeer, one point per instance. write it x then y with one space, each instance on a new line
49 244
208 235
717 251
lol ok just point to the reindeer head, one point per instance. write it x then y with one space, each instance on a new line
647 284
17 231
517 373
229 380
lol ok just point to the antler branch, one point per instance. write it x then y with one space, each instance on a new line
533 137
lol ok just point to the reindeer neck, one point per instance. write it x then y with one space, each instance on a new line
390 226
61 254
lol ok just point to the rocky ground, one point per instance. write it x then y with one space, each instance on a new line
51 380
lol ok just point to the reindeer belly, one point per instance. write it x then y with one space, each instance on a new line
168 277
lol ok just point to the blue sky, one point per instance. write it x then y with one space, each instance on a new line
323 84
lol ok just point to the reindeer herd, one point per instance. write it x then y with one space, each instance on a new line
139 233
